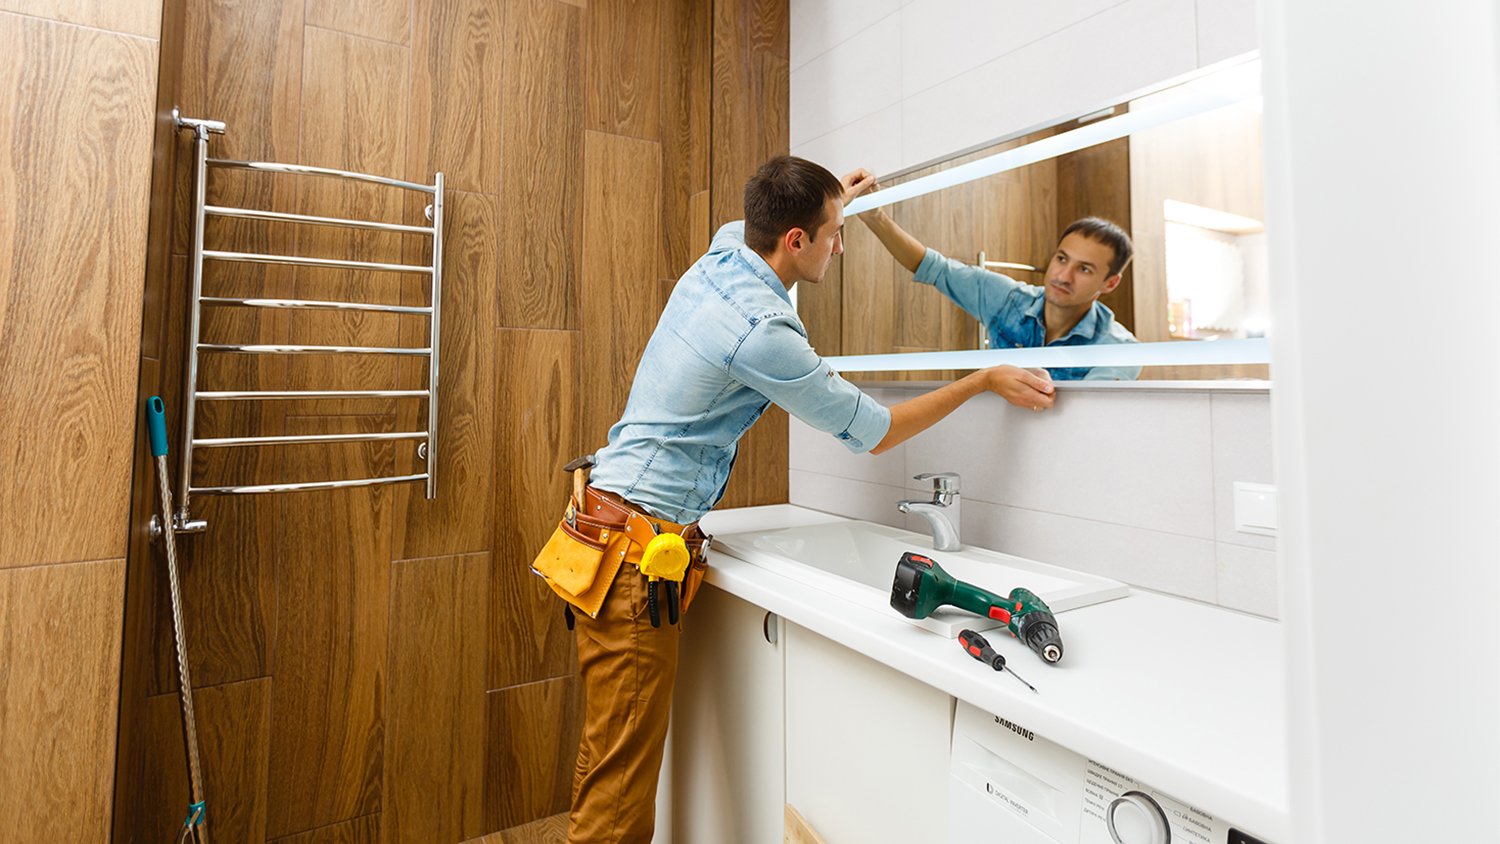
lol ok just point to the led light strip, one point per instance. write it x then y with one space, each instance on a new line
1199 353
1188 103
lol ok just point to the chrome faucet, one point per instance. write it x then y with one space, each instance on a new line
941 512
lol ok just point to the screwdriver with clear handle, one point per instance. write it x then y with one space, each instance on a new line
979 647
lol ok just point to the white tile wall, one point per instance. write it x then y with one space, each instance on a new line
820 25
872 142
1247 579
1133 458
1124 483
941 39
960 73
1081 68
1226 28
854 79
1242 452
1166 562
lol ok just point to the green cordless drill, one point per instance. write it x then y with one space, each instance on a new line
922 586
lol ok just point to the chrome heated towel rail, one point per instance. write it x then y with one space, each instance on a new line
426 439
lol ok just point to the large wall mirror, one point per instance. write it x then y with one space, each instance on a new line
1185 181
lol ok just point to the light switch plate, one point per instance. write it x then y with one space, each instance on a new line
1255 508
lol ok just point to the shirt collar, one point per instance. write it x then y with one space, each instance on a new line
1099 317
763 271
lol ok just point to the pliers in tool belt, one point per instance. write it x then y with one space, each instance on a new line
665 558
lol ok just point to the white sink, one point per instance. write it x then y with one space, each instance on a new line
857 561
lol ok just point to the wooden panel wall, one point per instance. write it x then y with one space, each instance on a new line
1095 182
750 105
1214 161
77 89
371 665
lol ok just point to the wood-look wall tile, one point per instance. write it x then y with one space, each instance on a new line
760 470
455 99
542 144
228 592
70 283
687 93
242 64
622 58
130 17
538 386
234 735
382 20
329 657
621 220
354 113
548 830
532 747
772 105
435 703
734 123
361 830
769 25
60 652
1096 182
458 519
821 307
869 286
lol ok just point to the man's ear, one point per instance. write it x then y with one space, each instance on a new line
794 240
1112 282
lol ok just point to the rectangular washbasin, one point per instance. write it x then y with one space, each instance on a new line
857 562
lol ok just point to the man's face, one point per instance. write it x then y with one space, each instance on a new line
1079 271
817 252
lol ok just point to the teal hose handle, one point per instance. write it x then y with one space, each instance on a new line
156 425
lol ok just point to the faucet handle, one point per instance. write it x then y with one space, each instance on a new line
942 482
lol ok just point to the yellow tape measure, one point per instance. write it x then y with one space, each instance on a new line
665 558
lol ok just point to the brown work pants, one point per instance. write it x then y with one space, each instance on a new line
628 668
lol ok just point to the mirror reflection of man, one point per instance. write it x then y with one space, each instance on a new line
1065 311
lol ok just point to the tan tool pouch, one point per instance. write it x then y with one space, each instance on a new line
581 559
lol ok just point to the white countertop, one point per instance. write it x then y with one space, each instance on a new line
1181 695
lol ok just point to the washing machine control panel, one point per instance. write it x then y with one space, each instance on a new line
1008 783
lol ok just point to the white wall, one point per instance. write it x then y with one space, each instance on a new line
1383 130
1129 483
891 84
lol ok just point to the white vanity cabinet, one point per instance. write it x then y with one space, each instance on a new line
867 747
859 748
725 766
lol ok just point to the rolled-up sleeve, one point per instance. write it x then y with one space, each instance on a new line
775 360
978 291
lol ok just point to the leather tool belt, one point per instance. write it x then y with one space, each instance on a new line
593 540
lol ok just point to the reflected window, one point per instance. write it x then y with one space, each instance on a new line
1216 273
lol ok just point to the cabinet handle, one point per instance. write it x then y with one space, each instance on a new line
768 627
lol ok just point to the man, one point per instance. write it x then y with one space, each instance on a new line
727 345
1066 311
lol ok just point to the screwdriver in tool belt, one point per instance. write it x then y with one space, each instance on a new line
979 648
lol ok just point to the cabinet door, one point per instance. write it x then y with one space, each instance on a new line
725 765
867 747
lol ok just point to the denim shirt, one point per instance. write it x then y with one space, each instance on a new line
728 344
1011 313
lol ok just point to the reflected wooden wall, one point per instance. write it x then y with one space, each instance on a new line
874 306
371 665
76 88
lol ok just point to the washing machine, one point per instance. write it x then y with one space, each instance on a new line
1008 785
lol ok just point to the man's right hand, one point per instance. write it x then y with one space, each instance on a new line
857 182
1028 388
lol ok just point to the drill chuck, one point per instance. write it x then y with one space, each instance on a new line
1038 630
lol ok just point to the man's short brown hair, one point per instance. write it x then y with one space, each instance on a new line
1103 231
786 193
